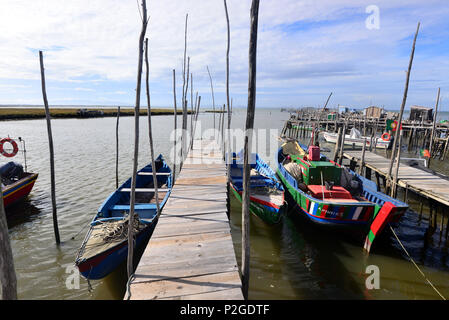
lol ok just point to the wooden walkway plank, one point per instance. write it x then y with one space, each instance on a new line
190 254
415 179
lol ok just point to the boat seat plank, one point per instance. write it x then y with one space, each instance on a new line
143 189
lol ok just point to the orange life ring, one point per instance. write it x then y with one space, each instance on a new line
15 148
386 136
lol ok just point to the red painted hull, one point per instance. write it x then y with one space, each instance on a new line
18 190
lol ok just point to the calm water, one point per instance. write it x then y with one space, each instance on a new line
292 260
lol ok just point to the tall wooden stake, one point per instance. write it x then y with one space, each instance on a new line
116 147
175 125
228 149
8 279
50 145
184 115
404 99
150 130
248 139
433 127
213 98
136 143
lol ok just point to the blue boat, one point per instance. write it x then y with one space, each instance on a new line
105 246
266 191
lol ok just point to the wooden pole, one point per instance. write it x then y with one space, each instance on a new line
398 159
248 139
404 99
433 127
132 201
337 144
184 116
362 160
342 146
228 150
325 105
175 125
150 130
50 145
222 129
213 98
116 147
8 278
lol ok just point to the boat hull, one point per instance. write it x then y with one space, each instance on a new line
97 258
99 266
268 212
357 142
362 217
18 190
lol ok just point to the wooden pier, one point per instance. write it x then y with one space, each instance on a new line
419 181
190 254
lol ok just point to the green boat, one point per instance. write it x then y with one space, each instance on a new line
330 195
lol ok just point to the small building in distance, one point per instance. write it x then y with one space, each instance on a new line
420 113
373 112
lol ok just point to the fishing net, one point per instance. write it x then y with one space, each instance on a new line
295 170
113 231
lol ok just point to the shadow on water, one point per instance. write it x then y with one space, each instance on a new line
21 212
320 252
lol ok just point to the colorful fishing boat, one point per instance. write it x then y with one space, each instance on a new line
266 191
330 195
105 246
355 139
16 182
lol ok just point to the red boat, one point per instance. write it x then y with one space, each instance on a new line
16 183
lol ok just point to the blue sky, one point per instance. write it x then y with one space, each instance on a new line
306 49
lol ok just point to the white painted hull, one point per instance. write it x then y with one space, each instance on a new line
379 143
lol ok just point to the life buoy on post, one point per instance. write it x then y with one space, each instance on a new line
15 148
386 136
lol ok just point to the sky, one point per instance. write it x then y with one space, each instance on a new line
358 50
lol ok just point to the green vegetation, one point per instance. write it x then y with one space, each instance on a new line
35 113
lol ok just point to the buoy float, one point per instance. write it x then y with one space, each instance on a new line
386 136
15 148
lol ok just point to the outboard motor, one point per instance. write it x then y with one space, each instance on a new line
11 170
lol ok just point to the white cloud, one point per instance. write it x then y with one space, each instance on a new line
89 42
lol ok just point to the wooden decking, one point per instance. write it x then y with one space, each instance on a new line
190 254
419 181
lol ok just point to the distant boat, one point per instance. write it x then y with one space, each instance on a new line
354 138
266 191
16 183
330 195
105 246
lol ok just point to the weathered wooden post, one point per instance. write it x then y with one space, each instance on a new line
175 125
228 150
404 99
116 147
337 145
150 130
213 98
342 146
132 201
247 144
8 279
394 186
52 156
433 127
184 115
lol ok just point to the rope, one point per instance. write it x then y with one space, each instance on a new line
411 259
128 286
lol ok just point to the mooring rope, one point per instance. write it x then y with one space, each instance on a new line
128 286
413 261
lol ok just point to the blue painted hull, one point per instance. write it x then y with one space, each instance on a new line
115 208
